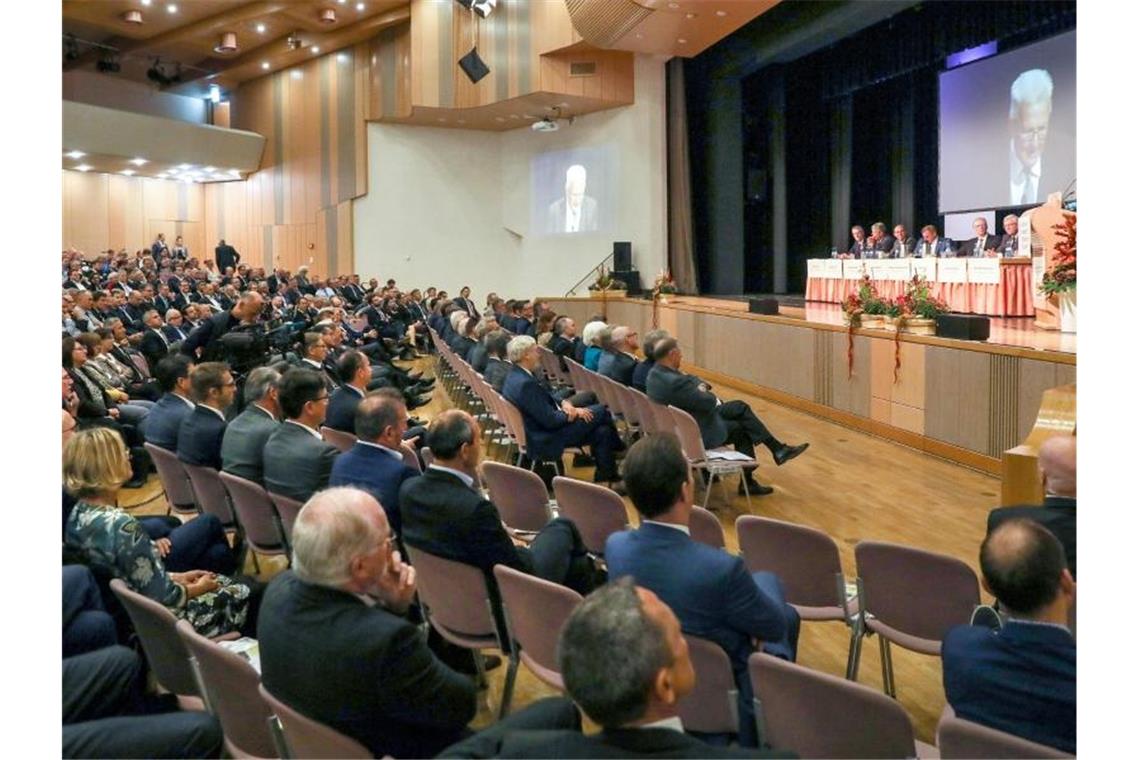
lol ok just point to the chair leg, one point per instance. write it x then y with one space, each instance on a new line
855 653
480 671
747 492
509 686
888 669
708 490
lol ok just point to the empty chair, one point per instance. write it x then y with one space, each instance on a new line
298 736
535 610
910 597
595 509
255 510
706 528
694 447
711 707
962 739
339 438
520 496
175 481
229 684
210 494
819 715
287 511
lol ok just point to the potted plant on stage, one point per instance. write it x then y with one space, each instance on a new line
606 285
1060 279
663 287
864 308
918 309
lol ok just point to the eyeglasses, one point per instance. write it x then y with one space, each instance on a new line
321 398
1033 134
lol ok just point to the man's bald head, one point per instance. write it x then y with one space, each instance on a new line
1023 564
1057 460
335 527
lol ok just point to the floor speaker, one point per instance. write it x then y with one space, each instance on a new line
769 306
963 326
623 256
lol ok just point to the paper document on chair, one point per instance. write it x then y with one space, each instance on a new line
728 455
245 648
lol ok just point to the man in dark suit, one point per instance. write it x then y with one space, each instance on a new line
463 340
881 244
1009 241
553 426
464 302
478 356
336 646
201 431
297 460
711 591
860 246
619 360
1057 462
643 368
1021 678
355 374
165 418
376 463
497 367
244 441
625 662
155 345
933 245
175 329
225 256
983 243
565 340
903 244
314 351
731 422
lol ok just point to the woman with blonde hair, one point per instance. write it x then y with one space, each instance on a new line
95 465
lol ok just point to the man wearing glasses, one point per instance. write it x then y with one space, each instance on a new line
1030 106
297 461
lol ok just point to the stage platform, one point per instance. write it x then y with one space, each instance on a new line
966 401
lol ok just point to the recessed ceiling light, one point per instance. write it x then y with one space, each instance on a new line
138 161
172 8
75 154
146 2
342 2
265 65
83 168
722 14
341 58
681 41
690 15
296 73
638 35
315 49
128 172
260 28
360 6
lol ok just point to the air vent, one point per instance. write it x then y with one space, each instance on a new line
583 68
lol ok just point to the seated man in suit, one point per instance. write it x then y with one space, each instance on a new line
729 422
201 431
497 368
935 246
175 329
376 463
619 359
314 351
903 244
983 243
297 460
565 341
881 245
710 590
1022 678
336 646
1057 462
477 357
463 340
626 663
154 345
553 426
355 375
244 441
1008 245
173 375
859 247
643 368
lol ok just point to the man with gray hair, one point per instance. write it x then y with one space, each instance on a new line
648 344
620 359
1008 244
245 437
574 211
1030 106
336 646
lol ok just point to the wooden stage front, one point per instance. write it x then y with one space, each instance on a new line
966 401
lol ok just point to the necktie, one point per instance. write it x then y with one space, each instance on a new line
1027 194
926 249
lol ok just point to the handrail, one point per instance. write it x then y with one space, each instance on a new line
589 274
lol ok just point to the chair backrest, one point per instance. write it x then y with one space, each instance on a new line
427 456
410 458
595 509
519 495
689 433
512 419
964 739
339 438
705 527
455 594
209 493
174 479
536 610
287 511
645 415
819 715
165 652
665 422
915 592
629 406
307 738
805 559
712 706
230 685
257 515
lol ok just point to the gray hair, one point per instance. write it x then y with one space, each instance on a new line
591 333
259 382
456 317
519 346
620 333
879 226
610 652
650 340
1007 217
330 532
171 313
1030 87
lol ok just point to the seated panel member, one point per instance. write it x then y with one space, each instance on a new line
935 246
860 246
903 244
983 243
881 244
1008 245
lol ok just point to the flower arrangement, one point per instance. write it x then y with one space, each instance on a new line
918 303
1061 277
606 281
864 302
664 285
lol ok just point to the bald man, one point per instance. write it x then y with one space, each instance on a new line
1057 463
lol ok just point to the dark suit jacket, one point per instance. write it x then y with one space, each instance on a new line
666 385
1008 245
1058 514
359 669
164 420
1021 680
617 366
565 349
226 256
477 358
154 348
966 247
943 247
297 464
542 415
341 414
200 438
461 345
378 473
244 442
641 373
175 334
467 305
496 372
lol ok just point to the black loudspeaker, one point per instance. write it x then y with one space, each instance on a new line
962 326
769 306
623 252
473 66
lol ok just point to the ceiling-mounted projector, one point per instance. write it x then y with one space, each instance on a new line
545 125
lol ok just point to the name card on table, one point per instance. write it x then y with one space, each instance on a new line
853 269
952 270
926 267
893 269
832 269
984 271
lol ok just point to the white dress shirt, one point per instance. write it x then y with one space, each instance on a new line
1018 179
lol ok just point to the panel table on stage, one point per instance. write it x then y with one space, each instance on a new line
994 287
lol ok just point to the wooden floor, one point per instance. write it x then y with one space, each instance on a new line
849 485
